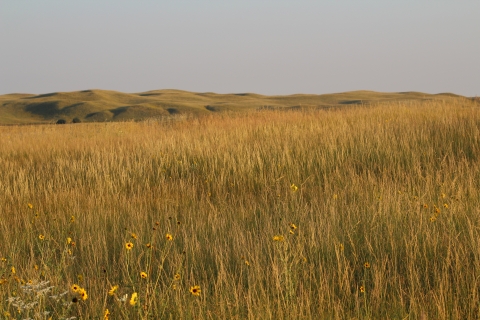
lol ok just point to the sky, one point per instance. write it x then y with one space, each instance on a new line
226 46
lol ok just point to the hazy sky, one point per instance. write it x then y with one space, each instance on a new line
261 46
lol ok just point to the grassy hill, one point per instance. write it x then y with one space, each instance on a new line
103 105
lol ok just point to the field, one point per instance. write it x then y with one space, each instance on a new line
359 212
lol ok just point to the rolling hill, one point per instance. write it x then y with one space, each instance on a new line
103 105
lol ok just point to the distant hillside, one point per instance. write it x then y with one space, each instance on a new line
102 105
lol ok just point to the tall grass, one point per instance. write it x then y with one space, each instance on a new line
375 213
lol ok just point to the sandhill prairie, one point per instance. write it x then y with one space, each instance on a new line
358 211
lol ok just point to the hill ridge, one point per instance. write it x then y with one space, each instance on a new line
97 105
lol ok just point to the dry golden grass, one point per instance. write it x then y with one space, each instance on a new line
360 212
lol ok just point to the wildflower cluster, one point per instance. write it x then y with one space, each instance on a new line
79 291
293 227
436 212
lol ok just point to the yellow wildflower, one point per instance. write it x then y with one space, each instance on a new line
134 299
177 276
362 289
169 237
106 314
41 237
129 245
294 187
445 205
366 265
134 236
195 290
143 275
30 206
83 294
75 287
111 292
278 238
13 270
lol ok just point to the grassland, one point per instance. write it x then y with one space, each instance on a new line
360 212
107 106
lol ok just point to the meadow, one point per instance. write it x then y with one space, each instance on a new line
359 212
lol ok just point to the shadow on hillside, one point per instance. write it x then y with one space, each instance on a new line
46 109
173 111
350 102
100 116
149 94
212 108
46 95
119 111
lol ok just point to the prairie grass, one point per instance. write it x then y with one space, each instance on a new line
363 212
